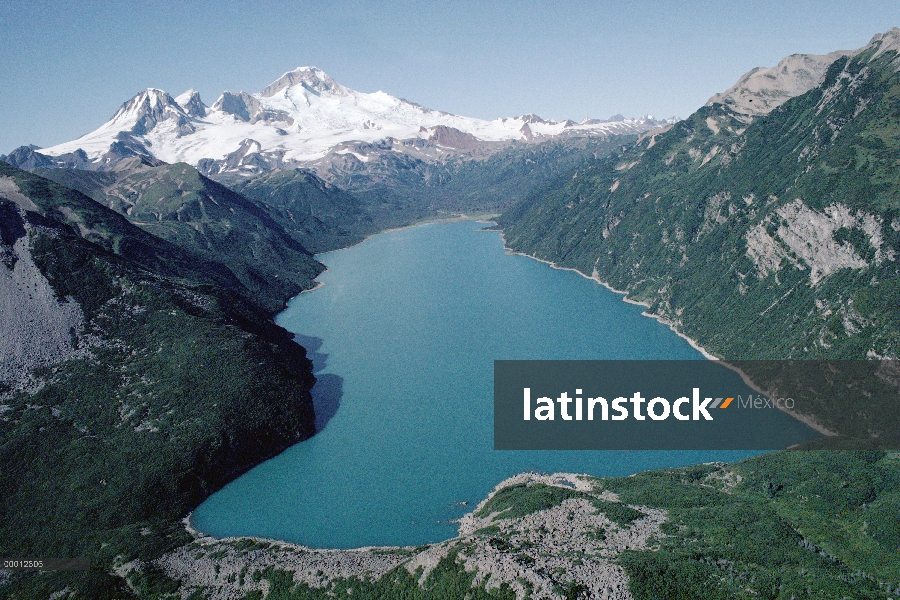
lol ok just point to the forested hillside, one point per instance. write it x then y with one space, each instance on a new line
775 236
145 385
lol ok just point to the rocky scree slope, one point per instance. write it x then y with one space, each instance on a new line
810 524
140 387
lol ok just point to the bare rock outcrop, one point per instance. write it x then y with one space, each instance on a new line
37 328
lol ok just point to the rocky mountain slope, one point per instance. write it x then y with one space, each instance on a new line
463 184
660 534
762 90
134 384
253 217
761 234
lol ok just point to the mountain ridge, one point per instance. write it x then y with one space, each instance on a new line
145 385
206 219
787 221
301 117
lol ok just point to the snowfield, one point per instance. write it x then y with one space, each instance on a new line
302 116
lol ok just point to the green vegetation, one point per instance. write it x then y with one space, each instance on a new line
447 580
213 223
504 178
188 383
795 524
397 189
519 500
669 219
811 524
523 499
320 216
186 386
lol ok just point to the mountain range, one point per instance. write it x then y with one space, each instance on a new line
304 118
141 264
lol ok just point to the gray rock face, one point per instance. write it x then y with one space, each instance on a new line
74 160
762 90
242 105
191 103
526 132
247 108
152 106
451 137
126 145
27 157
248 159
36 327
887 42
808 235
311 78
533 118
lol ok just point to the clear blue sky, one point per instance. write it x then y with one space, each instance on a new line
66 67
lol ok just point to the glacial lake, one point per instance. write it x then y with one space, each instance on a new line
403 333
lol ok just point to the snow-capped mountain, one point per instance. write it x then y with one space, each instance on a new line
298 119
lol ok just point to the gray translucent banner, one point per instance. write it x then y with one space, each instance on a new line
696 405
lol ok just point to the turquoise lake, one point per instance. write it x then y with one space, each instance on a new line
403 334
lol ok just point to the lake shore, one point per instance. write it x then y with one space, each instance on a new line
234 567
807 420
595 277
478 217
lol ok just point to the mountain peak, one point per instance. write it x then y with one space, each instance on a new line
887 41
533 118
141 114
761 90
312 78
155 96
299 118
191 103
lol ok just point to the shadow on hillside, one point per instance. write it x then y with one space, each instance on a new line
329 388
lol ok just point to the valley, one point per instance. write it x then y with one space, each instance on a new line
144 263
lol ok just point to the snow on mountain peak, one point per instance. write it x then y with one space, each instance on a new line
140 114
149 99
313 79
191 103
533 118
300 118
